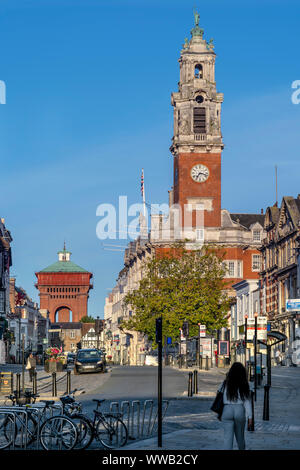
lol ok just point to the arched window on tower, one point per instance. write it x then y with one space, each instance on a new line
198 71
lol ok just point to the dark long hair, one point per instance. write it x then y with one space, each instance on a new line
236 381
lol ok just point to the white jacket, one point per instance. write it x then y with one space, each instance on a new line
247 402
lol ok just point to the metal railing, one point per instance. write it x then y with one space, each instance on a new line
139 417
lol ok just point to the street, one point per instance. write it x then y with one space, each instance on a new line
189 423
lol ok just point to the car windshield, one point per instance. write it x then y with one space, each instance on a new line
89 355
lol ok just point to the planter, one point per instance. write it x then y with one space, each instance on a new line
52 366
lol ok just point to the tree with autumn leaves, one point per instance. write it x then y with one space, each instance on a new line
180 285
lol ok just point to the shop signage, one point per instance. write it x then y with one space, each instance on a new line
293 305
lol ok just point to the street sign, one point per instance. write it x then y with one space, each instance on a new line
262 323
223 348
202 331
293 305
206 347
169 340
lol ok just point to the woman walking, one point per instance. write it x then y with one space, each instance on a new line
31 365
237 406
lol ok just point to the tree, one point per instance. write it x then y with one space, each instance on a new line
180 285
87 319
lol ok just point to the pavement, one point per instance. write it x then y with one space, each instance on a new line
203 431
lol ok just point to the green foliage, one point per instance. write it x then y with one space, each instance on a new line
87 319
181 285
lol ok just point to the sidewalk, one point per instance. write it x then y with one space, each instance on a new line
202 431
264 438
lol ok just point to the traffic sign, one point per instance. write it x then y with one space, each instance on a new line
293 305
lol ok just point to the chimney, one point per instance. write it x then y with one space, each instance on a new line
262 212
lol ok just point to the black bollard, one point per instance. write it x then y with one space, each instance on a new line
54 389
190 385
34 383
252 428
195 381
18 385
266 415
200 363
206 363
68 382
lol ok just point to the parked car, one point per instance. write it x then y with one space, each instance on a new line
89 360
71 358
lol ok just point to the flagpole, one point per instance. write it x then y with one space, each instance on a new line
144 197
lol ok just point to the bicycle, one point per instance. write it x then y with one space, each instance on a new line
55 433
107 428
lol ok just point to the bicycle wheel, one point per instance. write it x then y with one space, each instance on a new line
58 433
84 430
111 432
7 431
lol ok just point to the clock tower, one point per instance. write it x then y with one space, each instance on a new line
197 141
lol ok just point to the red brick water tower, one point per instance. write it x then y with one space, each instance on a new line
64 289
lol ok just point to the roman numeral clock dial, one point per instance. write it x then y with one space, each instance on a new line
199 173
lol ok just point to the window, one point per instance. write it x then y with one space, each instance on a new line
239 269
234 269
231 268
199 120
200 235
198 71
256 262
2 302
256 235
72 334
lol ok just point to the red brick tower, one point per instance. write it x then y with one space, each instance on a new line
64 289
197 142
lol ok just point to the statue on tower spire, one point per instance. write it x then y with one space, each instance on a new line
197 17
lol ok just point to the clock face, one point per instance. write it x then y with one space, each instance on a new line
199 173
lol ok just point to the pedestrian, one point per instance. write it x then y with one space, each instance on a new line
31 365
237 406
277 357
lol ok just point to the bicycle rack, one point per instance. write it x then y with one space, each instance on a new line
150 402
9 413
126 404
38 413
17 411
138 412
166 403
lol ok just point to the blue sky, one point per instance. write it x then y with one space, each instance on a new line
88 106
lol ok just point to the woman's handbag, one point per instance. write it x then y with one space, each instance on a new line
218 404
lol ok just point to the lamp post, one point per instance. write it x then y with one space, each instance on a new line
159 391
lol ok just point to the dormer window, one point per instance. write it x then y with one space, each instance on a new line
198 71
256 235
